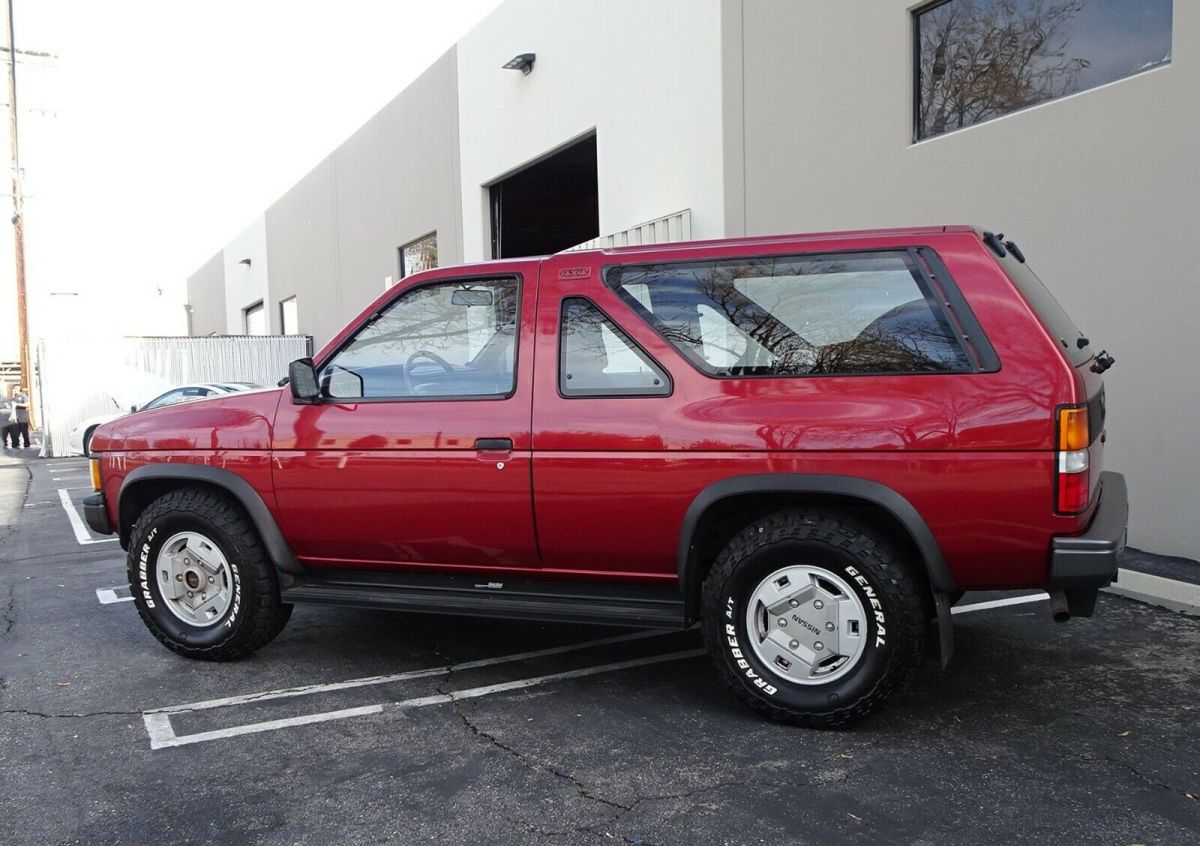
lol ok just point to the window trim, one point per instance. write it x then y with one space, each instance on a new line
914 16
632 393
953 308
519 278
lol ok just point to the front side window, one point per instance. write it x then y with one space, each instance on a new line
596 358
979 59
450 339
796 316
419 255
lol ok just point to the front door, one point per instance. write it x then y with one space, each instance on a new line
417 453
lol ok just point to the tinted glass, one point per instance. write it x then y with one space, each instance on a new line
598 359
425 344
979 59
795 316
1053 316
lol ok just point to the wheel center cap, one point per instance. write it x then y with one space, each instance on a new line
192 579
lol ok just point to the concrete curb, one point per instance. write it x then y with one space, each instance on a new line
1156 590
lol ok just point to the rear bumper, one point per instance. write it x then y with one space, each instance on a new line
1088 562
95 512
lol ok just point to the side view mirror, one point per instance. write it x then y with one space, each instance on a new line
132 409
302 378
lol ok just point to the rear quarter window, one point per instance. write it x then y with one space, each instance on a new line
862 313
1053 316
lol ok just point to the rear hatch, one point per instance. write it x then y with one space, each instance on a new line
1081 428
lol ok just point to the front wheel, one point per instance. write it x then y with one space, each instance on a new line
200 578
814 619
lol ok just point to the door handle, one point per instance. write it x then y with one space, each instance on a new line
494 443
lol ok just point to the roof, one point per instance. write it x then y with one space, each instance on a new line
910 231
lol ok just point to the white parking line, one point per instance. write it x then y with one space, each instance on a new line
81 532
999 603
305 690
108 596
162 735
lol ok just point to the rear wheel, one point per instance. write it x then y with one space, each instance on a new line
813 618
87 441
200 578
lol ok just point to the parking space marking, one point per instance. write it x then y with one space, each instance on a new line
162 734
305 690
999 603
81 532
108 596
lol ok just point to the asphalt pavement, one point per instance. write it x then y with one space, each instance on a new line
368 727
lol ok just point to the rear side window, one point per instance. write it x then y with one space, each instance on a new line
1053 316
597 359
857 313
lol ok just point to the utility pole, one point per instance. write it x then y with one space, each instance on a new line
18 220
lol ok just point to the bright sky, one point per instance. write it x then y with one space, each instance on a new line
163 128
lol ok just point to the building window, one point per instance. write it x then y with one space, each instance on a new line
420 255
796 316
289 317
980 59
254 319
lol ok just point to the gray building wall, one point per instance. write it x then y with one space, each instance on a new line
334 238
206 297
1099 189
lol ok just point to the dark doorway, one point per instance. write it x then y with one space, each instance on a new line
548 206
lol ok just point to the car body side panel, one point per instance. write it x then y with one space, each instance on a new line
973 453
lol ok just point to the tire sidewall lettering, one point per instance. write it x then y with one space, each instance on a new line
756 676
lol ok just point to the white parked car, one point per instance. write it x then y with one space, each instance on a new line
81 436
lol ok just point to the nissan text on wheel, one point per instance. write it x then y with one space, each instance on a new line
809 445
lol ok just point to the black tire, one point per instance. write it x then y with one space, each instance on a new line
87 441
254 616
869 564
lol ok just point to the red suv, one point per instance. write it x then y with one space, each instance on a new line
811 445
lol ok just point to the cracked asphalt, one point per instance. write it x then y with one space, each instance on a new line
1076 733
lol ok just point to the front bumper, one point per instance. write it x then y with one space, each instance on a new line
1083 564
95 512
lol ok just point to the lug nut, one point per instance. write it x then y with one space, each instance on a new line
210 580
793 644
204 596
179 577
818 604
818 646
189 594
830 627
795 603
782 622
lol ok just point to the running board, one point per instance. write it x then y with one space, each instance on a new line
545 601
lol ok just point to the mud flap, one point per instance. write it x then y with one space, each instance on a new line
945 627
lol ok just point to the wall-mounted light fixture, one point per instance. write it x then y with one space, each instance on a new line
522 62
245 261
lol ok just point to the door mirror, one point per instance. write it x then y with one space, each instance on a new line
302 378
132 409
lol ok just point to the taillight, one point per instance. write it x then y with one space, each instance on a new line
1073 482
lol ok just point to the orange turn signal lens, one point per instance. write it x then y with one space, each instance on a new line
1073 432
95 468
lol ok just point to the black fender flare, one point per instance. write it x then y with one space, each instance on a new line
237 487
941 581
